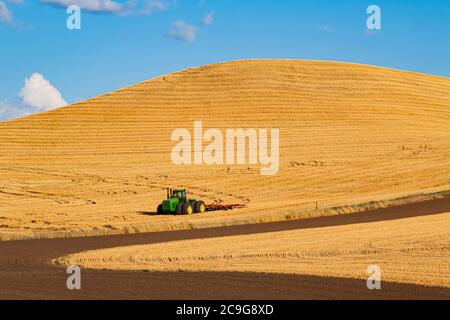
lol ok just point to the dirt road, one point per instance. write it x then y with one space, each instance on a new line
26 271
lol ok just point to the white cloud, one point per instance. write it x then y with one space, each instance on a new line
117 7
183 31
130 7
153 5
90 5
5 14
208 18
186 32
143 7
39 93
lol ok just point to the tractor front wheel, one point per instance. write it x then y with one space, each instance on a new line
199 207
160 209
187 208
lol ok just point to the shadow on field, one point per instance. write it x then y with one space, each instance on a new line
153 213
46 284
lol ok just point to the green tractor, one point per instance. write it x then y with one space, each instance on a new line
178 203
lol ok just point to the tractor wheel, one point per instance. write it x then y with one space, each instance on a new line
187 208
199 207
179 209
160 209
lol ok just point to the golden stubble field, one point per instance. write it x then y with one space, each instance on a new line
411 250
351 137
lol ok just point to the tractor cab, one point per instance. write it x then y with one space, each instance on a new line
179 193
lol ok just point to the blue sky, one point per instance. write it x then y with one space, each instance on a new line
115 49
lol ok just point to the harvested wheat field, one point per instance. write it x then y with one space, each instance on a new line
351 137
411 250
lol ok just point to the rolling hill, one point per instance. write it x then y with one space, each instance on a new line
351 137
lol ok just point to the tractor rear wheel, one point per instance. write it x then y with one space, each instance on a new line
160 209
179 209
199 207
187 208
